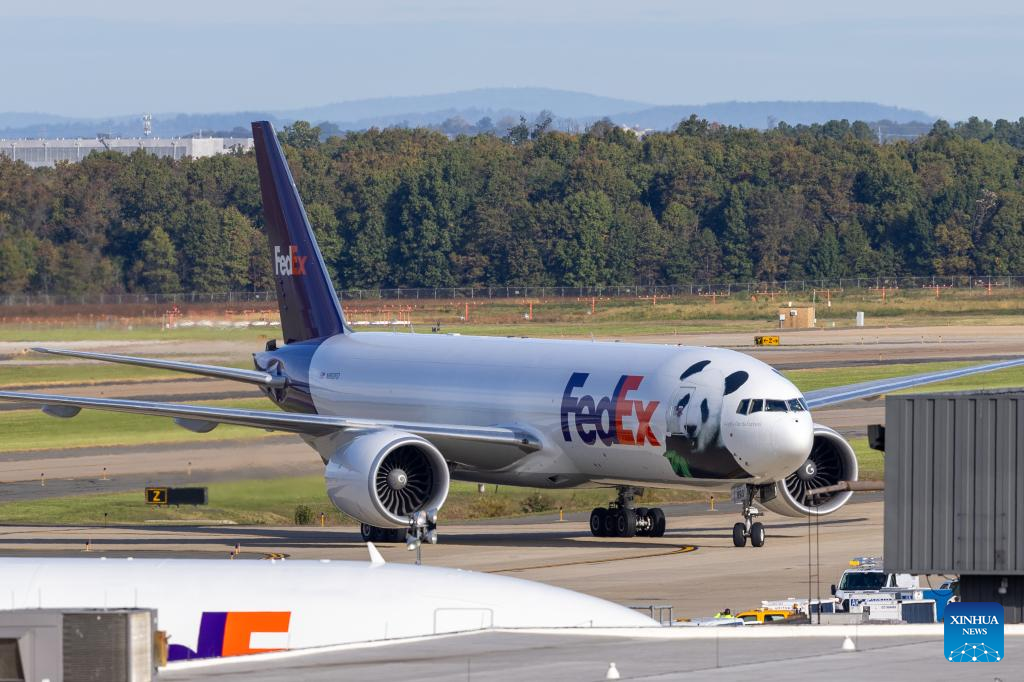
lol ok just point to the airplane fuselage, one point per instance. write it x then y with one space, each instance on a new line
604 413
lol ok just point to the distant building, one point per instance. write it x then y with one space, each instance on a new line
48 152
636 130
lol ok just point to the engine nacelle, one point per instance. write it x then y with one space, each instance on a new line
832 460
383 477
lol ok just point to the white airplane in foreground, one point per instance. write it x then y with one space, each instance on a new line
213 609
395 417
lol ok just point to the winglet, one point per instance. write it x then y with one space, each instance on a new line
375 557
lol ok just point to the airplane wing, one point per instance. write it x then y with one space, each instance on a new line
869 389
203 418
249 376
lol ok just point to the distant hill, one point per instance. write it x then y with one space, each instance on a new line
759 114
484 101
499 104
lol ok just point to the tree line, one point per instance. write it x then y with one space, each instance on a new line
533 206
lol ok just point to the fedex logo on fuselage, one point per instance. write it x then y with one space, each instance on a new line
602 418
230 633
290 263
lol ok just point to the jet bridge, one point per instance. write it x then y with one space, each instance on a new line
954 491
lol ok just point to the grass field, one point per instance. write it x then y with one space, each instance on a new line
13 376
812 379
556 317
144 331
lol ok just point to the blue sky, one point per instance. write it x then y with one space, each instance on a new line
84 58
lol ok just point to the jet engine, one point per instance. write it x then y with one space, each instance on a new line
383 477
831 461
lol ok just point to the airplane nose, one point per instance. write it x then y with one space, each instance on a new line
792 441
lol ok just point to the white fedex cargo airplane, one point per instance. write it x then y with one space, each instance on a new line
396 416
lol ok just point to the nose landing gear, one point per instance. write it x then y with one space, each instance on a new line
622 520
749 528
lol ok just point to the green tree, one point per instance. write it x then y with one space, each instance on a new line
205 250
236 238
735 241
679 224
519 133
301 135
826 257
15 268
579 252
954 246
159 264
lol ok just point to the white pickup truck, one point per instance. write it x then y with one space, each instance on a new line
865 581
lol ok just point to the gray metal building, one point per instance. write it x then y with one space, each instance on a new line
954 491
48 152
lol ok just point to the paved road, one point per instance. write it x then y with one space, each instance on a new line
694 567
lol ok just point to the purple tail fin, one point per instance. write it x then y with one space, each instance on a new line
305 295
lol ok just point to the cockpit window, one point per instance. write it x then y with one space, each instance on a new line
752 405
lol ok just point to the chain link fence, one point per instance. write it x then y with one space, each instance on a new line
804 286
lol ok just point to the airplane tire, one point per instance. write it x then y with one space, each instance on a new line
375 534
597 522
757 535
611 524
657 522
625 523
739 535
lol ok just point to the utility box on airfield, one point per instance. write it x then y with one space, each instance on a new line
954 481
797 317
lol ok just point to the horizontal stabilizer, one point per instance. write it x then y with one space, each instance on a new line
249 376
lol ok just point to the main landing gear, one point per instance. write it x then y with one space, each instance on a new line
749 528
622 520
375 534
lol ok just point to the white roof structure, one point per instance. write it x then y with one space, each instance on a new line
48 152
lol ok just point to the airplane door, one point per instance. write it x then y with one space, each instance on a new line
681 405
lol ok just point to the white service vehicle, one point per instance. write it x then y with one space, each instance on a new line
865 581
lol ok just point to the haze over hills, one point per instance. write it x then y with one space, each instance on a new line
500 105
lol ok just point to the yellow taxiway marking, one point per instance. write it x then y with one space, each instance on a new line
685 549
